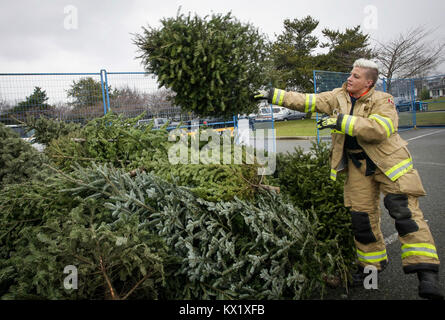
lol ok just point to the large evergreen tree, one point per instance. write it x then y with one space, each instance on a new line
344 48
34 105
36 101
87 92
293 56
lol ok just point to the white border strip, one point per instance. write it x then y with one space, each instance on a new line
424 135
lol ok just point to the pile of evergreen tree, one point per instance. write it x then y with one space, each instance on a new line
137 227
19 161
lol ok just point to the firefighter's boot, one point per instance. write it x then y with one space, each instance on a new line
429 287
357 278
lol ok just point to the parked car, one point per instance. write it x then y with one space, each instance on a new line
296 115
279 114
264 114
406 106
157 122
26 135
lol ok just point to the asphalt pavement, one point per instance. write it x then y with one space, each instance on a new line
427 147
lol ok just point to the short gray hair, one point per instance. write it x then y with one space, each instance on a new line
372 69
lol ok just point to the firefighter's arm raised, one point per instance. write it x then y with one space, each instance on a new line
303 102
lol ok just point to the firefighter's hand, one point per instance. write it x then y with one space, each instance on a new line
327 122
261 95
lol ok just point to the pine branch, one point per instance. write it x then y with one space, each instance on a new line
74 158
135 286
259 185
83 259
113 293
19 121
80 182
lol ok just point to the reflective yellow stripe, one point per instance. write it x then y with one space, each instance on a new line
372 256
314 98
278 96
333 174
275 93
385 122
280 102
419 249
336 131
347 124
420 253
310 103
417 245
399 169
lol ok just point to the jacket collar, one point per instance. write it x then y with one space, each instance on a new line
364 97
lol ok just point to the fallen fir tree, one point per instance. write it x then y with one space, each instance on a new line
117 140
143 237
19 161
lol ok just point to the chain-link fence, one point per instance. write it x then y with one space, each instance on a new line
420 102
69 97
79 97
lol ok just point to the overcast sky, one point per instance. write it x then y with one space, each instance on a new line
86 36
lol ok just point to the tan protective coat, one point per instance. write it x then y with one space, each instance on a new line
386 152
375 123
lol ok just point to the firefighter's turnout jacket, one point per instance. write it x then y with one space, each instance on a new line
374 123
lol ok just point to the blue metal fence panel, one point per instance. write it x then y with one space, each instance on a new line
65 96
79 97
420 102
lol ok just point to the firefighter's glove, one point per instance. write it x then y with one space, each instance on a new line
327 122
263 95
272 95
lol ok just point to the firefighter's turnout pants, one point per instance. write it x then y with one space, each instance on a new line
362 195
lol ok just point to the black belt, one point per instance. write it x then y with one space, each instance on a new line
355 157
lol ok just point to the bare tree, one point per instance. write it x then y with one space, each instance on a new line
160 103
410 54
130 101
4 105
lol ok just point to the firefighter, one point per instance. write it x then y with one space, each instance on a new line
367 147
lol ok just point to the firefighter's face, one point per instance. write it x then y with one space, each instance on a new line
358 81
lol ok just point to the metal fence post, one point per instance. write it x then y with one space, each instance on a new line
316 113
106 90
103 89
413 102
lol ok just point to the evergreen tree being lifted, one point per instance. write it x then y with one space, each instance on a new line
213 64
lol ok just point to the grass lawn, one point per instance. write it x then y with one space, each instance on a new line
422 118
306 127
436 104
